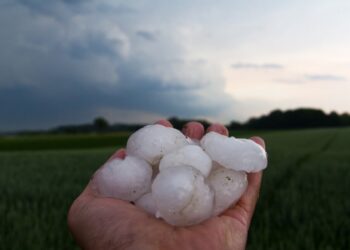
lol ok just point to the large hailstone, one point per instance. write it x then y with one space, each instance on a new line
182 197
237 154
147 203
192 180
190 155
126 179
228 186
152 142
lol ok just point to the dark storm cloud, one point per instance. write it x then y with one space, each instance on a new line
151 94
38 5
95 44
257 66
51 8
68 68
121 9
50 105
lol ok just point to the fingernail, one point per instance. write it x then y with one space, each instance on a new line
164 123
218 128
193 130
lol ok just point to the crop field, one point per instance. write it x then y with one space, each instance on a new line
304 203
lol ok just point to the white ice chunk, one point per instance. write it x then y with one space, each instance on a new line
190 155
192 180
172 188
126 179
228 186
153 141
201 206
182 197
237 154
147 203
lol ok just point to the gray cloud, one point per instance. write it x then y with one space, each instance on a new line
257 66
67 68
290 80
51 8
73 102
307 78
324 77
147 35
120 9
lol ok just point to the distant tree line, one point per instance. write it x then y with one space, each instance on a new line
298 118
99 125
277 119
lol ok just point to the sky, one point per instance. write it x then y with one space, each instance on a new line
67 62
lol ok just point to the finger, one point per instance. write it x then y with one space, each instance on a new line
250 197
218 128
194 130
91 188
165 123
120 153
258 140
244 209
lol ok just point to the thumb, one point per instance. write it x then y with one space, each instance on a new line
244 208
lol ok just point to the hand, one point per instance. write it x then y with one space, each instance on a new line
106 223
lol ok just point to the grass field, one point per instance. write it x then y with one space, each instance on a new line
304 202
54 142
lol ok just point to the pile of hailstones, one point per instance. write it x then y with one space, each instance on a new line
178 179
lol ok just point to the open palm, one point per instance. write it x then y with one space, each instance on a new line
106 223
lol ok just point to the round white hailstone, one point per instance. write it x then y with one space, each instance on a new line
200 207
190 155
228 186
126 179
172 188
181 196
237 154
153 141
147 203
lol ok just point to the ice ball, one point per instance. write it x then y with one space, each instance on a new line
189 155
147 203
154 141
126 179
237 154
182 197
181 180
228 186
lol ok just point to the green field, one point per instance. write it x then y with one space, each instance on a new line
304 202
54 142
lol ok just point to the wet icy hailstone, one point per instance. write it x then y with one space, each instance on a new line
182 182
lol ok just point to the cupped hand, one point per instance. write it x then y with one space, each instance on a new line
97 222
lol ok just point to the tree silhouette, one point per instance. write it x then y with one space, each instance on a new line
100 123
298 118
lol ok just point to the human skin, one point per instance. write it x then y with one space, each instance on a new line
97 222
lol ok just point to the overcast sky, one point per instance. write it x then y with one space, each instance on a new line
137 61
